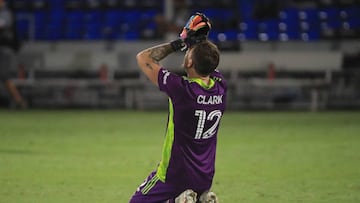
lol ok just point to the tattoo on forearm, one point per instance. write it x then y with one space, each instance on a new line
149 66
159 52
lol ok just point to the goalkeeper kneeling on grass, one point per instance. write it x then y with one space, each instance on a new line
196 105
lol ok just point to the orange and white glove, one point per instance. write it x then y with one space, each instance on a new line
197 26
195 31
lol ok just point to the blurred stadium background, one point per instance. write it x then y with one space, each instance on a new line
291 54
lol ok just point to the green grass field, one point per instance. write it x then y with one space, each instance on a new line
102 156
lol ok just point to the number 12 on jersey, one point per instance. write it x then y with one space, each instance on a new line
200 134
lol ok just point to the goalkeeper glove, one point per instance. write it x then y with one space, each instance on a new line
195 31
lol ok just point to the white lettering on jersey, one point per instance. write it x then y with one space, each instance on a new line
214 99
167 73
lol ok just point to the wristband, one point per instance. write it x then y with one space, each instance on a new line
178 44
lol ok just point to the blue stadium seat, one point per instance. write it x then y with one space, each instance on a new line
147 23
269 30
54 32
309 14
40 25
93 22
56 17
289 15
131 35
112 18
333 24
330 20
312 35
147 16
290 35
286 26
149 13
73 31
110 33
354 23
136 21
329 14
23 28
229 35
149 31
249 30
269 25
93 16
40 16
74 25
289 24
130 22
350 13
111 24
309 25
75 17
93 31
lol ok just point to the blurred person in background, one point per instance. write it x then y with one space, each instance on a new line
9 45
8 36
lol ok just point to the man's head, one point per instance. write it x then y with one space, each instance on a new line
203 57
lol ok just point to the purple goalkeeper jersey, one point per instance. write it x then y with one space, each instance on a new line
195 111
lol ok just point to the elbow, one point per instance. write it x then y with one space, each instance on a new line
140 58
139 61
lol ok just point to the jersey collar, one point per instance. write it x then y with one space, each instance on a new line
201 83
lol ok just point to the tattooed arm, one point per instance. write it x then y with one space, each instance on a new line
148 60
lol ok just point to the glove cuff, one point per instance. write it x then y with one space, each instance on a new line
178 44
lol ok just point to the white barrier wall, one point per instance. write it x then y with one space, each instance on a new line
121 55
295 60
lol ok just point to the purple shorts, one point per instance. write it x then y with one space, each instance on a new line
154 190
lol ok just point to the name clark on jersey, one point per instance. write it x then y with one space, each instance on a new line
214 99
